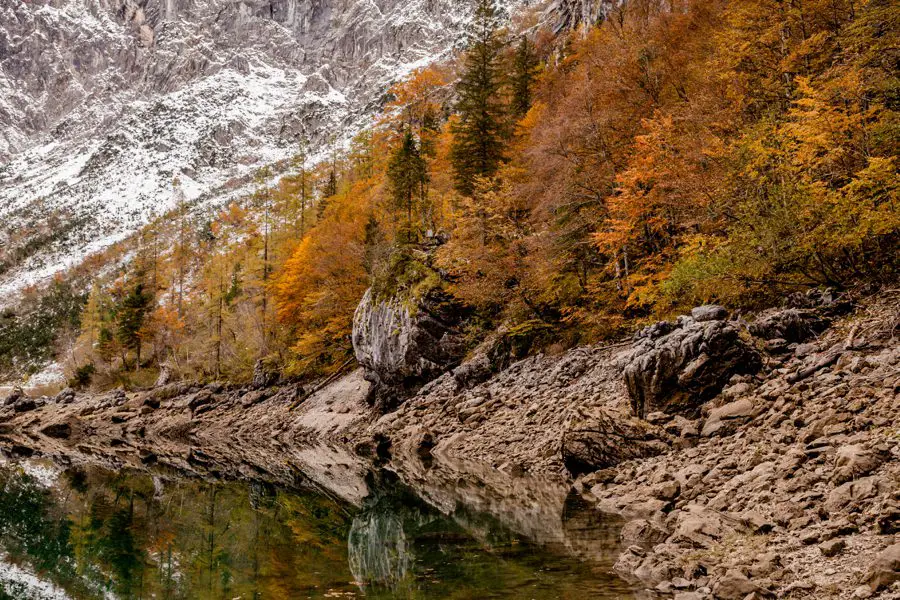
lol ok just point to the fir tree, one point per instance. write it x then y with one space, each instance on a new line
329 189
131 316
524 73
408 175
480 132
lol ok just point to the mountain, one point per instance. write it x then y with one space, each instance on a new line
104 102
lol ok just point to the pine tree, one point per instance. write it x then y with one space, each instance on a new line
266 197
131 316
329 189
524 73
300 160
481 131
408 175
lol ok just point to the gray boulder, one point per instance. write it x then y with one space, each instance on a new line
13 396
792 325
722 420
709 312
403 345
66 396
262 376
25 404
676 367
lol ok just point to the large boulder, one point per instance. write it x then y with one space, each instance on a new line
14 396
674 367
401 345
605 440
885 569
792 324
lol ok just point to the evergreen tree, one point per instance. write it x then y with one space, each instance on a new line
481 131
524 73
302 176
408 175
374 245
329 189
131 316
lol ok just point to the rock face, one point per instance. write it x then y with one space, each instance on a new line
676 367
574 13
94 91
401 348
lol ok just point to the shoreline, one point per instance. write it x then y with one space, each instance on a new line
782 487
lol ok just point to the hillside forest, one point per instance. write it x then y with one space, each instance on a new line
562 188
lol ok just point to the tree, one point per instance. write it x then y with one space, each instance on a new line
181 250
480 130
524 74
329 190
266 197
408 175
131 315
302 181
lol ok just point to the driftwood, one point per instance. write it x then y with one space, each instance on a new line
827 360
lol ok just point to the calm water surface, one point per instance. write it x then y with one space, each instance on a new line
94 533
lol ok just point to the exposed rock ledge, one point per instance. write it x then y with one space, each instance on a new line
784 483
402 345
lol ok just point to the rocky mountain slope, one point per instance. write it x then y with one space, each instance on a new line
104 102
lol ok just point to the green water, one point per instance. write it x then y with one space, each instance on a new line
94 533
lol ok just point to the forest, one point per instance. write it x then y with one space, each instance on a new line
562 188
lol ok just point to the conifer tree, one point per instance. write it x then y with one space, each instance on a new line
131 315
329 189
408 175
480 132
300 160
266 197
524 72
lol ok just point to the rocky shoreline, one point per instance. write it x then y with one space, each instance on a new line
749 458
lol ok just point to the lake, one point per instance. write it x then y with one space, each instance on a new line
435 532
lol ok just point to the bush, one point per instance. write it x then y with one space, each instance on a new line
82 376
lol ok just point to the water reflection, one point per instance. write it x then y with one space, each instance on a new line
96 533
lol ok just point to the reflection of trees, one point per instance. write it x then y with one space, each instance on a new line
30 530
99 532
187 540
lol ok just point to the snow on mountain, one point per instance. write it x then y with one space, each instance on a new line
104 102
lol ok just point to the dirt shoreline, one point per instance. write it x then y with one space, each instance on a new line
785 486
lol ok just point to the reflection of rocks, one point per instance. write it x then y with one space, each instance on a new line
380 544
589 533
481 499
378 550
432 522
